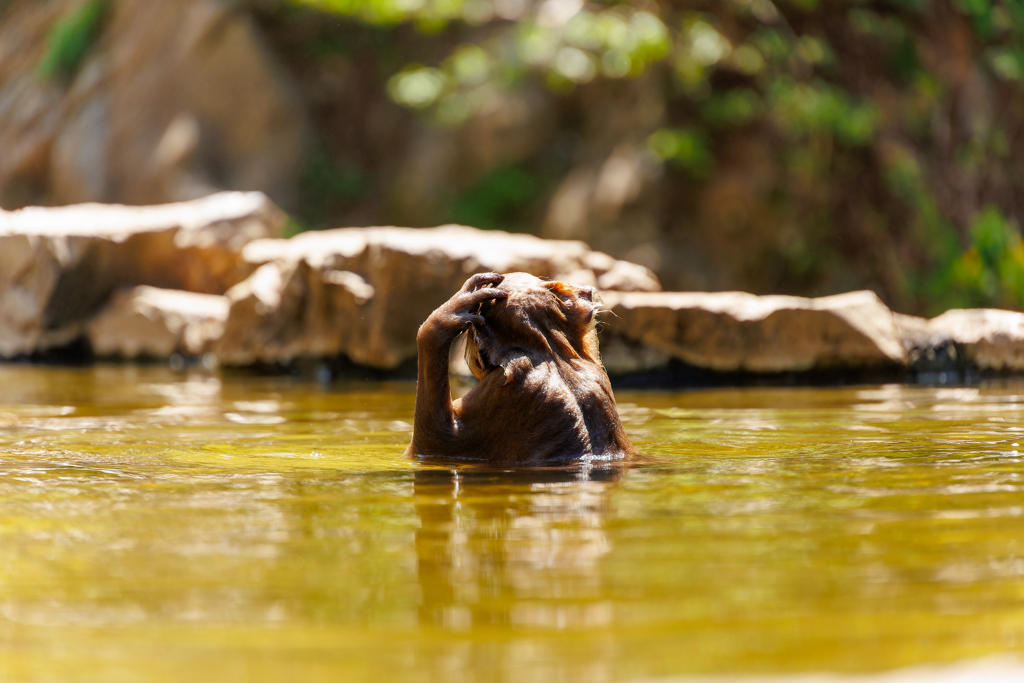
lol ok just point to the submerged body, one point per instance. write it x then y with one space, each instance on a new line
543 397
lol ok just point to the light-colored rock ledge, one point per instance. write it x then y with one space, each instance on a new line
59 266
364 292
984 338
739 332
147 322
210 277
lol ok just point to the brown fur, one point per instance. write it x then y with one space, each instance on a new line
543 397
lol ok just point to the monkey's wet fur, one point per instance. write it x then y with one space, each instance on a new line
543 396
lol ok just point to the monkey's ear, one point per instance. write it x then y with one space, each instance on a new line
566 293
560 288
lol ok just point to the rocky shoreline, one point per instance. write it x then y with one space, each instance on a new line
213 279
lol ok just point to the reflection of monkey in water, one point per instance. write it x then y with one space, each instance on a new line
520 548
543 397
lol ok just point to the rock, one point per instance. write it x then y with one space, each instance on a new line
289 310
736 332
619 276
58 266
913 331
932 357
365 291
983 338
173 100
157 323
622 357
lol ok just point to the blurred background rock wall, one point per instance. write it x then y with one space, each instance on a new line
801 147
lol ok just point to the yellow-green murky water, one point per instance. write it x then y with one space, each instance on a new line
183 527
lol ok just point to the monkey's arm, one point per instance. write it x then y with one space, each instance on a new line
435 431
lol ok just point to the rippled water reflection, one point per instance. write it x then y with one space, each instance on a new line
156 526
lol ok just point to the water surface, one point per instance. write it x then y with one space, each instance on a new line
159 526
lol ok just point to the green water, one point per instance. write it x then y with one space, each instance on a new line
158 527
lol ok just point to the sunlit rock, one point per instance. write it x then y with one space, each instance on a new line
288 310
157 323
737 332
365 291
623 357
58 266
980 338
928 354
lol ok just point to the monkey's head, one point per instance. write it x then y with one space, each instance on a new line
538 316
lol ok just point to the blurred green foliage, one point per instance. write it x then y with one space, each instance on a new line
686 148
327 186
615 42
801 109
733 108
991 271
853 98
497 201
70 39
